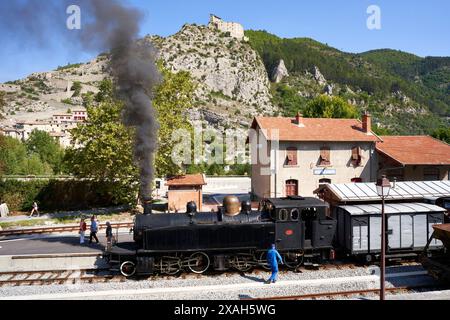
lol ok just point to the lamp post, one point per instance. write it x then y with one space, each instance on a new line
383 188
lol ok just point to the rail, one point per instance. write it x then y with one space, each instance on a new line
336 294
58 229
21 278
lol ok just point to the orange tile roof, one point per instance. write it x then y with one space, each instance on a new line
186 180
314 129
415 150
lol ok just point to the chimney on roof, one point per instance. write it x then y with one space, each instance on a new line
367 122
299 120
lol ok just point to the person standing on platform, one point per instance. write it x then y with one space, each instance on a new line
109 236
94 230
273 256
83 228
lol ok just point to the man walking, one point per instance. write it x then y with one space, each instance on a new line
273 257
35 209
94 230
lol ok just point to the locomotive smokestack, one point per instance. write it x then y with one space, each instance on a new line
147 204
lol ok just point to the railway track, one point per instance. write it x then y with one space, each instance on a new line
341 294
22 278
58 229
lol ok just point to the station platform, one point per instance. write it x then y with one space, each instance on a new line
47 252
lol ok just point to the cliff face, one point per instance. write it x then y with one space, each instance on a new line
230 76
232 83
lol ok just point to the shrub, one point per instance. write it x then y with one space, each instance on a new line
63 194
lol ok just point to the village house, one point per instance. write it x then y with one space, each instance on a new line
58 127
413 158
304 153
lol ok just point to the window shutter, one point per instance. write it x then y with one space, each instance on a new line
355 153
325 156
356 156
291 156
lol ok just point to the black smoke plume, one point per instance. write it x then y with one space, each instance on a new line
106 25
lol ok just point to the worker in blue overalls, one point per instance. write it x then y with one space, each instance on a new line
273 257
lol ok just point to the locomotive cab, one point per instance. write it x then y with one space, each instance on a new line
301 223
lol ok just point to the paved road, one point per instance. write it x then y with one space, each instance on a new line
54 245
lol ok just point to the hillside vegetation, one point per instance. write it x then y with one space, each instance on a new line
406 94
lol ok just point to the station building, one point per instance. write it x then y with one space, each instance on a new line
304 153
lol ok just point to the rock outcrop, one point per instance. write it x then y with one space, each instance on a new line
279 72
230 76
319 76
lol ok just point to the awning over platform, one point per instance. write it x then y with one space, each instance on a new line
392 208
346 192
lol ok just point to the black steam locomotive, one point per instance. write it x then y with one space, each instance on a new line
233 238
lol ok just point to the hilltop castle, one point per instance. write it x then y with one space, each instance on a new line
236 30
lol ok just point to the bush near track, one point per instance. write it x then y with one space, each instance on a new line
62 195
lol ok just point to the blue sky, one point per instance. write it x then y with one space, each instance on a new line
419 27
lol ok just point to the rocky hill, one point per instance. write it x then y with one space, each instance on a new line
231 81
405 93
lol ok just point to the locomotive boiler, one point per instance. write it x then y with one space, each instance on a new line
235 237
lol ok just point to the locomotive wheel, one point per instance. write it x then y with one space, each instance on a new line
198 262
292 260
263 261
128 268
242 263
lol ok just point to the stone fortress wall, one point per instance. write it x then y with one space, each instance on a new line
236 30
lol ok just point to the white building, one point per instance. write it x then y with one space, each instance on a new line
294 156
58 127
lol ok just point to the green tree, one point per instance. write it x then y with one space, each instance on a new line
47 149
106 144
381 131
106 91
442 133
106 150
15 160
172 98
2 151
76 87
325 106
2 103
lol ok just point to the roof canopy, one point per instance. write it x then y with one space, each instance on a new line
391 208
403 190
297 203
415 150
187 180
313 129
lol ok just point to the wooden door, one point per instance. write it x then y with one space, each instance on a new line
291 187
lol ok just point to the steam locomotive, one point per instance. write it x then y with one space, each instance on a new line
304 230
233 238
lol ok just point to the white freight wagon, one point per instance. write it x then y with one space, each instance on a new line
409 226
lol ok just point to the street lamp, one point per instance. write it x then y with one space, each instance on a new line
383 188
